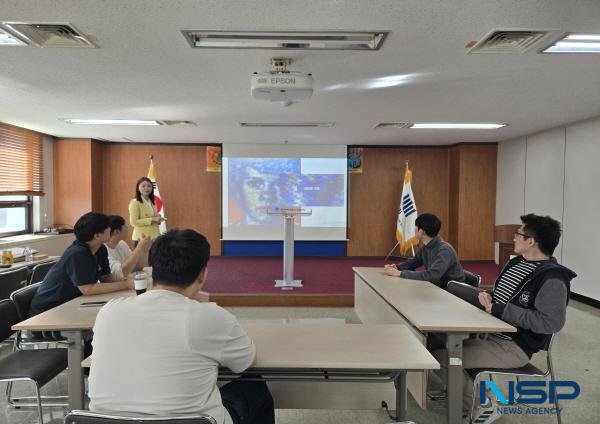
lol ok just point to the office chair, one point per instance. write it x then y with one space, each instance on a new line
472 279
11 281
22 299
36 365
87 417
528 370
39 272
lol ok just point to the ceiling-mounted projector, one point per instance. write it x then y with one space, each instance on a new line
281 85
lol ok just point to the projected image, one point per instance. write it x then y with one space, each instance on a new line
252 185
258 184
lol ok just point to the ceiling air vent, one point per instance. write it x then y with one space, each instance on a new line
507 41
288 124
393 125
51 35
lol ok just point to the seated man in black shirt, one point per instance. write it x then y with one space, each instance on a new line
80 267
437 256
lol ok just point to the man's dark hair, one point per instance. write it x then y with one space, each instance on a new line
138 195
115 222
429 223
178 256
544 230
90 224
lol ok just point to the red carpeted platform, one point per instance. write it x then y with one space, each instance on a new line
248 281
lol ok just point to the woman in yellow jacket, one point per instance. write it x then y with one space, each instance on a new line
143 217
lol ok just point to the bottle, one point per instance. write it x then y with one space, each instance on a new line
140 282
28 253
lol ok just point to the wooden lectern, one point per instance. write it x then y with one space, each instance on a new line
503 235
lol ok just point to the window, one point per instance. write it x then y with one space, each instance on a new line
15 215
21 177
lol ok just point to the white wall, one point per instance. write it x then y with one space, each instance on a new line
545 176
510 186
556 173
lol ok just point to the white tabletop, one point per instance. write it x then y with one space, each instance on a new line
377 347
430 308
22 264
345 346
69 316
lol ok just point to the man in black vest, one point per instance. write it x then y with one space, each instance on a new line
531 294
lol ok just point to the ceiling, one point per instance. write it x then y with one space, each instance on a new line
145 69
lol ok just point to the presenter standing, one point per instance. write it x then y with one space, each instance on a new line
143 216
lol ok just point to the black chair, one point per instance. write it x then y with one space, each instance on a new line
526 371
472 279
39 272
11 281
22 299
87 417
36 365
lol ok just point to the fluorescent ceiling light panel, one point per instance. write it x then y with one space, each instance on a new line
576 43
586 37
111 122
457 126
286 40
7 39
288 124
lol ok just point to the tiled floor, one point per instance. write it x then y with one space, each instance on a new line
575 353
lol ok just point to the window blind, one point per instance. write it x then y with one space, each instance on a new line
21 162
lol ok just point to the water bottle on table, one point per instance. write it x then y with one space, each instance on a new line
28 253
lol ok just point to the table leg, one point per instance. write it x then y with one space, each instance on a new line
401 397
75 356
454 342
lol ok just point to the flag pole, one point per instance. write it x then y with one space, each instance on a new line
388 255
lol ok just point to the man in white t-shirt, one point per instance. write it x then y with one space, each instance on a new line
159 353
121 258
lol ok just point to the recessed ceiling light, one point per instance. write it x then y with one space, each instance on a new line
286 40
111 121
576 43
457 126
288 124
7 39
590 37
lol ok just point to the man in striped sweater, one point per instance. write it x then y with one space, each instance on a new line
531 294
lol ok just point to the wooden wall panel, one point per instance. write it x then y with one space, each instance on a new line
453 195
374 195
97 175
192 196
72 179
456 183
476 207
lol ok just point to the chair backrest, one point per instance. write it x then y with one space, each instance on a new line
22 299
11 281
88 417
472 279
466 292
8 318
40 271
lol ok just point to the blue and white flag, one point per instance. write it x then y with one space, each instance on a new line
407 214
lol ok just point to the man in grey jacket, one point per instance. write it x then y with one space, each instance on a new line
437 256
531 294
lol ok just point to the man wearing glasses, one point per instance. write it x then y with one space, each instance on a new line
531 294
